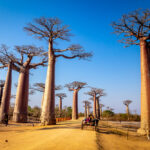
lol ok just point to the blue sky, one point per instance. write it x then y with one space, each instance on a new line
113 67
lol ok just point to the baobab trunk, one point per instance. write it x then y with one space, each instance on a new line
88 111
60 106
100 112
94 107
127 111
145 89
48 108
4 108
97 109
21 104
85 112
75 105
1 94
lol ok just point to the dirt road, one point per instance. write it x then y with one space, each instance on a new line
64 136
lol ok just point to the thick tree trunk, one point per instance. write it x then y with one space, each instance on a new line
94 107
145 89
85 111
1 94
21 104
100 112
48 109
88 111
97 109
60 106
4 108
75 105
127 111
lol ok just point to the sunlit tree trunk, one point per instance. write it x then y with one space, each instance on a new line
75 105
4 108
21 104
60 106
97 109
88 111
48 109
145 89
85 111
101 113
127 111
94 107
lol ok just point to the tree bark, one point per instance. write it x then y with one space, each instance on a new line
97 109
4 108
94 107
21 104
85 112
60 106
100 112
48 109
127 111
1 94
145 88
75 105
88 111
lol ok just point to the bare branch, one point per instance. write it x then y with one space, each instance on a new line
133 26
127 102
61 95
76 85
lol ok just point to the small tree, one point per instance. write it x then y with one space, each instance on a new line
96 93
127 103
75 87
135 28
101 111
61 96
52 29
85 106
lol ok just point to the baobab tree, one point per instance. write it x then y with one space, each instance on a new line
2 82
52 29
101 111
135 27
41 88
88 108
61 96
7 60
85 106
75 86
25 64
96 93
127 103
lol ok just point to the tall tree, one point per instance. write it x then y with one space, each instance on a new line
75 87
101 111
127 103
7 60
96 93
135 28
85 107
25 64
61 96
41 88
88 108
2 82
52 29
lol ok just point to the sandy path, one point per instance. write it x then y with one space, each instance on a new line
65 136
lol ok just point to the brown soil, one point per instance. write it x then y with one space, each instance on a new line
67 136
